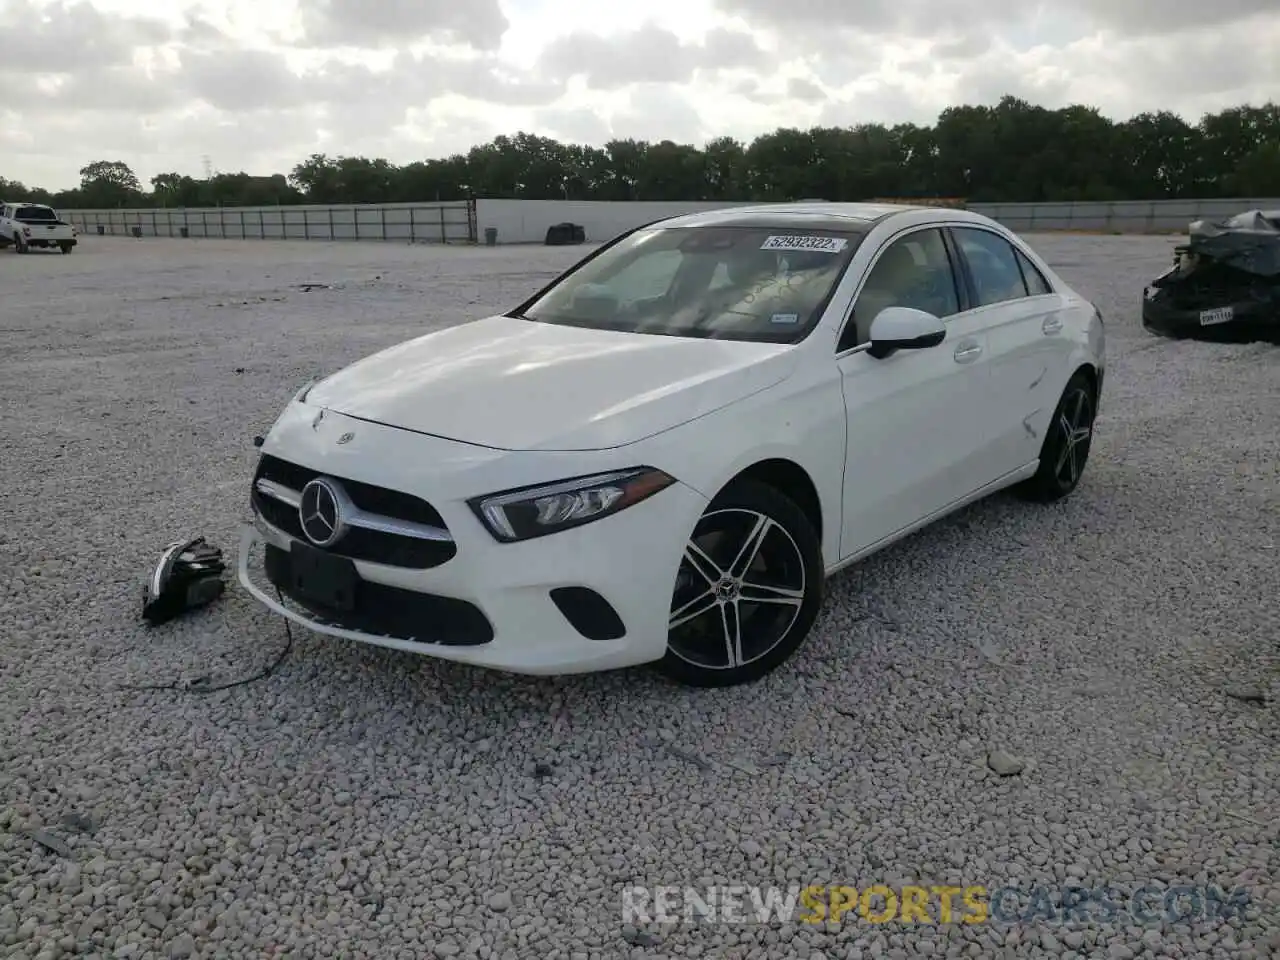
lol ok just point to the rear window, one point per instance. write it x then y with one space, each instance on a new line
34 214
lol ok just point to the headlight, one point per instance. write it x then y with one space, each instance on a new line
536 511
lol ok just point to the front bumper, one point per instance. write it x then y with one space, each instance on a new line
1162 314
491 604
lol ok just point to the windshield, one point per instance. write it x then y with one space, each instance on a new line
34 214
725 282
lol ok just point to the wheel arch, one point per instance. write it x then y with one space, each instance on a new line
788 478
1093 375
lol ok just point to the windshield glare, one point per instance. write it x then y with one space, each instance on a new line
735 283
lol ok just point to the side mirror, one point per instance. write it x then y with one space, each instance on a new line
904 328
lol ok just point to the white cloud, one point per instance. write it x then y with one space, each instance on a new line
260 84
648 54
392 23
660 111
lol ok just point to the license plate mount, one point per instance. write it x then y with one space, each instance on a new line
1209 318
322 578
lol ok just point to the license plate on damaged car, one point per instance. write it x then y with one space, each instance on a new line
1220 315
322 578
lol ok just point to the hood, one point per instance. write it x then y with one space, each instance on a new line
1249 242
520 385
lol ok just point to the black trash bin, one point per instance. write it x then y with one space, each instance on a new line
102 229
137 232
184 232
490 236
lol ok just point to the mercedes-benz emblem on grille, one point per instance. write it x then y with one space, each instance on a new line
320 512
346 438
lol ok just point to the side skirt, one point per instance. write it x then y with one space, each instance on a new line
1008 480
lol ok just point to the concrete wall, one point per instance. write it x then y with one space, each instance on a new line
447 222
1122 216
526 221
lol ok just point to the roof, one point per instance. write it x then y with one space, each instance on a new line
816 215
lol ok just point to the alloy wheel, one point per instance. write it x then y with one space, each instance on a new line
1075 429
739 589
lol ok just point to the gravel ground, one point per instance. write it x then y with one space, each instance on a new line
363 803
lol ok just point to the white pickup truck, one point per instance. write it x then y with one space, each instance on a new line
31 225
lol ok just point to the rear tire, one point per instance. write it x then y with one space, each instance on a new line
1065 450
66 247
748 589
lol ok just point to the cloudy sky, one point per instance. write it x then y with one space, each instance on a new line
257 85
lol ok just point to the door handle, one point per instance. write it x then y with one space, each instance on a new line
1051 326
967 352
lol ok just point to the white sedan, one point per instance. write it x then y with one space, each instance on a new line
661 456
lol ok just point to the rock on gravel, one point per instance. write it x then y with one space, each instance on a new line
360 802
1004 764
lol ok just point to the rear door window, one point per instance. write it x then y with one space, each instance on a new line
993 264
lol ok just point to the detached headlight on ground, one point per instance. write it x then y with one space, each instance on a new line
537 511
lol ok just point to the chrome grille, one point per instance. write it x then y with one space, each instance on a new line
385 526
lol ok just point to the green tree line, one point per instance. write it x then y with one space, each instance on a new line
1013 151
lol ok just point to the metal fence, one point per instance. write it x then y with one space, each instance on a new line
450 221
1121 216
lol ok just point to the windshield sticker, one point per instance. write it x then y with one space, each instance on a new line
816 244
786 318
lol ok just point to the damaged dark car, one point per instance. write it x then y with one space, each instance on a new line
1225 281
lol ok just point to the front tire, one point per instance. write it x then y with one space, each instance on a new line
1065 450
748 590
